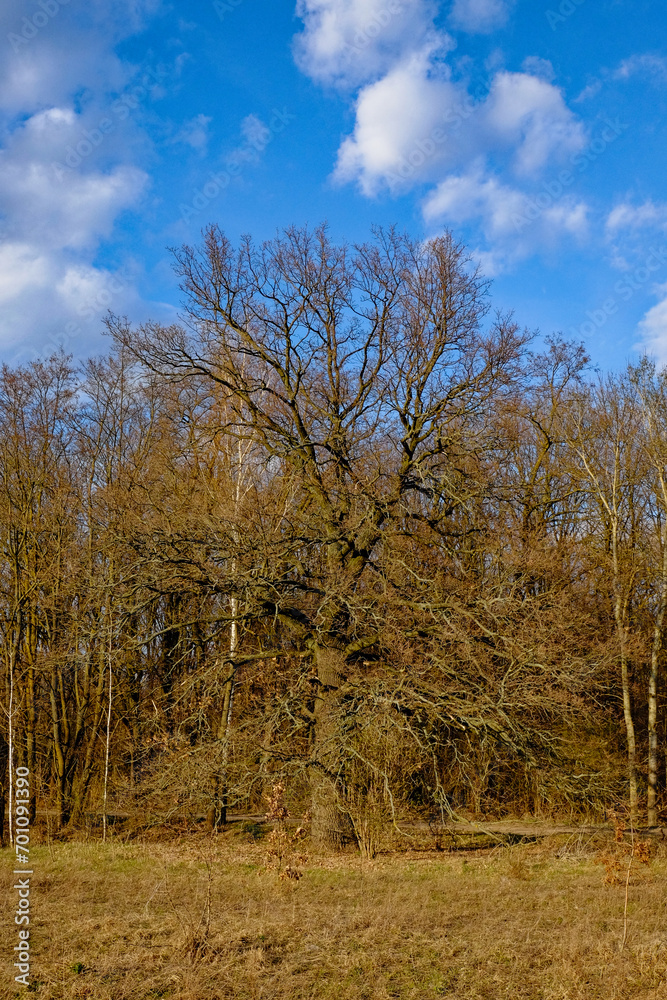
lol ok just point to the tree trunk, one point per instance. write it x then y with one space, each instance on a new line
60 763
90 727
331 824
217 813
620 617
31 711
106 754
656 651
629 723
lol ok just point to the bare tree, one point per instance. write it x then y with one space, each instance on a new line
366 372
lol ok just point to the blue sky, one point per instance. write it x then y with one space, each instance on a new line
535 132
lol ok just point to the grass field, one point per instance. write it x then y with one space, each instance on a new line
200 920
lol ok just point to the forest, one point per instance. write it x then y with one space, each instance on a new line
342 530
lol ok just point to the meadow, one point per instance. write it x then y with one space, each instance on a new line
254 915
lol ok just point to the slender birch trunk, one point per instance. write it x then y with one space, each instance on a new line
620 616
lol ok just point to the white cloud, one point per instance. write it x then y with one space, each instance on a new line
590 91
415 124
648 215
536 66
45 65
396 118
50 204
194 133
22 268
73 214
514 222
348 42
653 328
463 197
480 16
52 295
530 114
48 303
53 219
57 205
504 211
646 64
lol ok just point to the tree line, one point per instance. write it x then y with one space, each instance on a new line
341 526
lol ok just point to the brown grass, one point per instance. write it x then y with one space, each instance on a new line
198 920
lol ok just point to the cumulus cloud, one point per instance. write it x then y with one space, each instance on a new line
348 42
50 204
53 219
22 268
653 328
530 114
60 77
398 116
480 16
73 213
416 123
462 197
396 120
49 303
45 63
514 222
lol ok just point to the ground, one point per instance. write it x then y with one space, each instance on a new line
197 918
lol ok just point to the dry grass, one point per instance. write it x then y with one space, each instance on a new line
191 920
